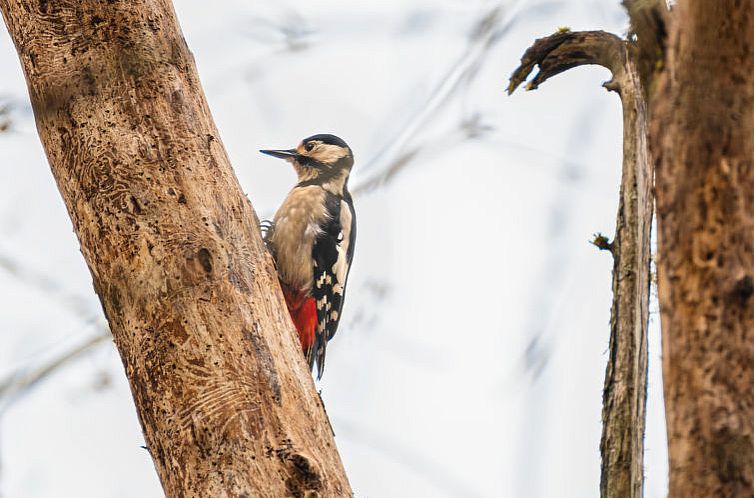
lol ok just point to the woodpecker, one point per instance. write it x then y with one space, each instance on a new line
312 239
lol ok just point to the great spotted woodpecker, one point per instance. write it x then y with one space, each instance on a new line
312 239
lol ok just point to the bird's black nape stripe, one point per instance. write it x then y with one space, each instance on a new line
326 138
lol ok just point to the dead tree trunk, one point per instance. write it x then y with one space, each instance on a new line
624 395
699 84
227 405
703 138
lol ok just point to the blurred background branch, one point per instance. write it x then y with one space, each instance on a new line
490 27
5 121
20 382
77 305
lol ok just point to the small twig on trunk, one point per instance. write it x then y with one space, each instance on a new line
602 243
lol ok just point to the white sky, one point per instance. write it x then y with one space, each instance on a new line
476 250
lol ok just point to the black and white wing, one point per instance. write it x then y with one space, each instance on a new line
332 253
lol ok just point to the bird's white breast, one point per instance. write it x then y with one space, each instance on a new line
295 227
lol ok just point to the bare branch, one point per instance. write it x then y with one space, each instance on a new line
489 28
567 49
20 382
387 174
77 304
5 121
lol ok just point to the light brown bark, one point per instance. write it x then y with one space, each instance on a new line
227 405
703 139
624 395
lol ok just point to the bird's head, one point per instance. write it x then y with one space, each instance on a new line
318 159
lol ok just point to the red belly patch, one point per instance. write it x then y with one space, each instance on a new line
303 310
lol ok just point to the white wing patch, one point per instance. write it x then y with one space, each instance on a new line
340 268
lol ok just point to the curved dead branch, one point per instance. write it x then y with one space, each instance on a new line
567 49
624 393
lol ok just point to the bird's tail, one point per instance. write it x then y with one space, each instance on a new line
319 348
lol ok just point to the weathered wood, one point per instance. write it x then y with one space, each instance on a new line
702 135
625 391
226 402
647 32
624 395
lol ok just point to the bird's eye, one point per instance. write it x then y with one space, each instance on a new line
309 146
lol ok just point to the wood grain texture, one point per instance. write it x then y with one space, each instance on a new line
703 139
227 405
624 400
624 393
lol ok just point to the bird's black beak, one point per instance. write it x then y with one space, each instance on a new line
282 154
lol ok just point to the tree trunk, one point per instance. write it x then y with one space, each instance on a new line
227 405
624 394
703 139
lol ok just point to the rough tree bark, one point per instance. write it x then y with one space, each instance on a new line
227 405
703 139
624 395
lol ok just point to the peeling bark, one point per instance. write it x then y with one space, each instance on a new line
703 140
225 400
624 395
